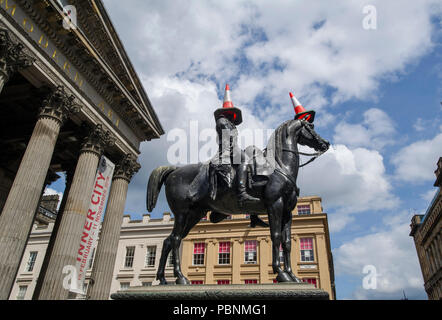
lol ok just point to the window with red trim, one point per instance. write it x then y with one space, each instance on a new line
224 253
310 280
197 282
223 282
281 254
198 253
304 209
250 252
306 249
250 281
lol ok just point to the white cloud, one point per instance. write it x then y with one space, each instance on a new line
429 195
417 162
273 47
376 131
349 181
186 51
391 251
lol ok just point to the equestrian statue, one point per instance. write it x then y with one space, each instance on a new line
239 181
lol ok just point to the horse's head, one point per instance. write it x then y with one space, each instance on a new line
307 136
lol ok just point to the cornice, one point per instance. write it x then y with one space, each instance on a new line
80 56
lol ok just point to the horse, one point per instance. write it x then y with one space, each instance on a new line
278 197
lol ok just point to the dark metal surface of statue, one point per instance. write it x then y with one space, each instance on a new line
266 184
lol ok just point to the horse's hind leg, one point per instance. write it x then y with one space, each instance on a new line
167 246
183 224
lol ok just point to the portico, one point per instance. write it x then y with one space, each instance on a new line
68 95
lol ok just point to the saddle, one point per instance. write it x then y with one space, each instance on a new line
206 181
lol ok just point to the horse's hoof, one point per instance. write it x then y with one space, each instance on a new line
182 280
162 281
284 277
294 278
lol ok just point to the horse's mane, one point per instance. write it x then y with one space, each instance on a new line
274 145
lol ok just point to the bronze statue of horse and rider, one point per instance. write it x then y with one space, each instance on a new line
238 181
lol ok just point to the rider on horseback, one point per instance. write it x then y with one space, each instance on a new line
230 155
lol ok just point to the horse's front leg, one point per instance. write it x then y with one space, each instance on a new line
275 212
287 244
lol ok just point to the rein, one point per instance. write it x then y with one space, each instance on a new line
314 155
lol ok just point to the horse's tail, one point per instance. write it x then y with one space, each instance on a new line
156 180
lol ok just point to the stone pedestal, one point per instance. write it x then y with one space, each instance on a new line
268 291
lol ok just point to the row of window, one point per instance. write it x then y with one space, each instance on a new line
250 252
151 254
302 210
125 285
33 257
224 253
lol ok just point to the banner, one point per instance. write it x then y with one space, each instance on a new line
89 236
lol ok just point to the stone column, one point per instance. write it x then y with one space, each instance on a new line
106 252
68 182
68 237
18 212
12 57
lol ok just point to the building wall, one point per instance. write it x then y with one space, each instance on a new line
427 235
147 232
141 234
37 242
236 231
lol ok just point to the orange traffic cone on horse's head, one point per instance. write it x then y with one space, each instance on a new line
300 111
228 110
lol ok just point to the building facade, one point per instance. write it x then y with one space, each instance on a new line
68 95
426 232
230 252
224 253
140 244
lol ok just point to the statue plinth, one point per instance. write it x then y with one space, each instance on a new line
269 291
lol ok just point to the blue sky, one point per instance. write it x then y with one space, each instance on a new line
376 92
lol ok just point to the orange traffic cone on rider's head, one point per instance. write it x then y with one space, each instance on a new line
228 110
300 111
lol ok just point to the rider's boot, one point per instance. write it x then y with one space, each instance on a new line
242 191
256 221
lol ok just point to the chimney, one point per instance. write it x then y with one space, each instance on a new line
438 173
166 217
126 219
50 202
146 218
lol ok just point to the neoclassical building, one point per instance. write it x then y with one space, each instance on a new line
68 95
427 235
229 252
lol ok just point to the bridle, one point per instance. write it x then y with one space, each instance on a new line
314 155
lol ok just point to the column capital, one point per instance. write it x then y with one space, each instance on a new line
127 167
12 57
58 105
97 139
